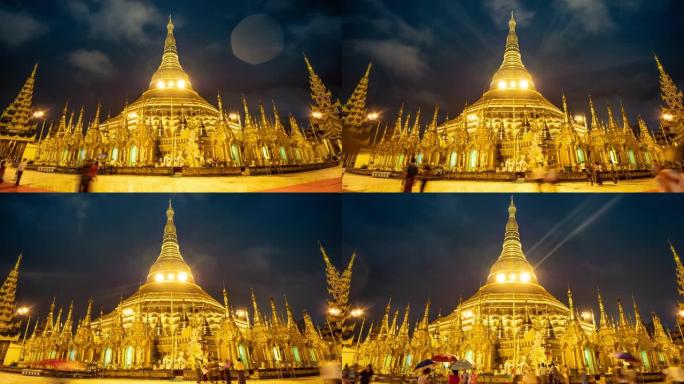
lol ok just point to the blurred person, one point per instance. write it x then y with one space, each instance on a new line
529 377
566 374
543 374
331 372
424 377
538 174
240 368
631 374
198 369
3 167
473 377
427 172
674 374
597 173
367 375
88 174
225 368
454 378
410 176
551 177
669 177
20 171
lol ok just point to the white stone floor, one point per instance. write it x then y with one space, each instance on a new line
324 180
8 378
358 183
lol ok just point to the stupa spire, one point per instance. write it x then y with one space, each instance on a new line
170 72
255 307
512 69
622 318
8 294
571 305
170 265
16 118
595 121
679 269
354 110
404 327
602 310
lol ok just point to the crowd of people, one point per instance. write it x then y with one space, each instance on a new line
217 371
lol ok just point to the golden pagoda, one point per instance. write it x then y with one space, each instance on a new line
17 130
171 125
512 323
512 127
170 321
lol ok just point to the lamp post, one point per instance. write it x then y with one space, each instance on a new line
24 312
356 313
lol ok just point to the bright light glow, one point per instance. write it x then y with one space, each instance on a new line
181 84
502 84
160 84
579 118
23 311
39 114
472 117
170 276
234 116
317 115
586 315
357 312
468 314
373 116
668 117
334 311
183 277
171 84
525 277
500 277
128 312
159 277
241 313
512 277
524 84
513 84
133 115
681 313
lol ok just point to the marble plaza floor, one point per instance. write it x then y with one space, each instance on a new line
358 183
324 180
8 378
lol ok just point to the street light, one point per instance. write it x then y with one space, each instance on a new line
586 315
23 311
373 116
357 312
234 116
241 313
39 114
317 115
579 118
668 117
334 311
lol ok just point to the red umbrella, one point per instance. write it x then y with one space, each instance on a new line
444 358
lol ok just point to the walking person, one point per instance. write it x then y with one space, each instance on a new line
566 374
198 369
240 368
3 167
597 173
588 172
454 378
424 377
410 176
367 375
20 171
427 172
226 371
473 377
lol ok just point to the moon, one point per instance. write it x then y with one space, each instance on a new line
257 39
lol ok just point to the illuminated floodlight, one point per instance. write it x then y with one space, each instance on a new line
128 312
468 314
334 311
234 116
500 277
512 277
161 84
524 84
356 312
502 84
241 313
668 117
182 84
183 277
39 114
579 118
586 315
513 84
159 277
681 313
170 277
472 117
23 311
525 277
373 116
133 115
317 115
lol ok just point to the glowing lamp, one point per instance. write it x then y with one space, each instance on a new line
170 276
161 85
681 313
586 315
579 118
524 84
132 115
39 114
500 277
183 277
158 277
356 312
241 313
472 117
23 311
181 84
513 84
234 116
317 115
668 117
468 314
525 277
373 116
502 84
334 311
128 312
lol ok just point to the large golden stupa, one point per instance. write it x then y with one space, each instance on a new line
170 321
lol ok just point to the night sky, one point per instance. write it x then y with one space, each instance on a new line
442 246
91 50
445 52
76 246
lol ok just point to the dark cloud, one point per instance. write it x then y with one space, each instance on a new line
17 28
117 20
92 62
